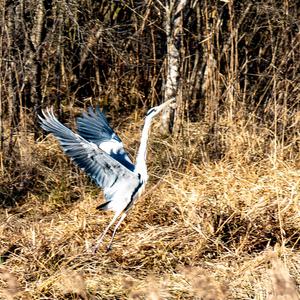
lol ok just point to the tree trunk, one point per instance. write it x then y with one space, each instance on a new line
173 26
37 38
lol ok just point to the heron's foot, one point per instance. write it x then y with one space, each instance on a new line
96 247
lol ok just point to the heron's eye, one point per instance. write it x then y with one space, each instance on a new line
150 111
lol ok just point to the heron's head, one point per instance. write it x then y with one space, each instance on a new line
152 112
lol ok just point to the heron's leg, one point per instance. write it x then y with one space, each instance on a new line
115 230
100 238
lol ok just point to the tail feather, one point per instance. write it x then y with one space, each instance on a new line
103 206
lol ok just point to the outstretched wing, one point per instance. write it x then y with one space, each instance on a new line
104 169
93 127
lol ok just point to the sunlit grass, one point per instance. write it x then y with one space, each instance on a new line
224 229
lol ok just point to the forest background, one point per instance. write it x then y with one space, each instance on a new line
220 219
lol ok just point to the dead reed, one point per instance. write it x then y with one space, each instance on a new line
227 229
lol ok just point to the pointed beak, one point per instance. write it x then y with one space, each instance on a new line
166 104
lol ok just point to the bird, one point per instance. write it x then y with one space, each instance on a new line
99 151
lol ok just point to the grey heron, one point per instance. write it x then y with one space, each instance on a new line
98 150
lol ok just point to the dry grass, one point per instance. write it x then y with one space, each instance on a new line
220 217
227 229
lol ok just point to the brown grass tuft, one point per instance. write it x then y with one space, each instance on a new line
10 286
283 286
227 229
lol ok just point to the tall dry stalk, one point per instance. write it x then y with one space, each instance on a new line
233 66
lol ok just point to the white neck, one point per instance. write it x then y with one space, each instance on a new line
140 166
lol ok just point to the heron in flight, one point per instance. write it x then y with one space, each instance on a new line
98 150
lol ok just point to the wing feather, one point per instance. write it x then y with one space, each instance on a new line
103 168
93 126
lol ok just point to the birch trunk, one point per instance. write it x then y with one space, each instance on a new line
173 26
